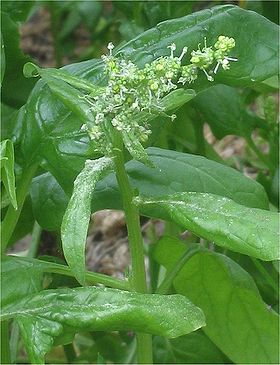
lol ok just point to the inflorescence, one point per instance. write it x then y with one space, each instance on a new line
131 91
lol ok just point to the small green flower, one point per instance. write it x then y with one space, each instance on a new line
189 74
202 59
224 44
131 92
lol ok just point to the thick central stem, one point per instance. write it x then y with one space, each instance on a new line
138 274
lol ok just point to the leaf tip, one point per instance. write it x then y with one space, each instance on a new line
30 70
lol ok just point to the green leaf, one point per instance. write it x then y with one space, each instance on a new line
250 231
71 97
238 321
7 169
258 60
25 222
19 278
15 87
176 172
222 108
135 148
55 135
77 216
17 10
173 172
11 126
177 98
32 70
45 315
257 56
194 348
48 196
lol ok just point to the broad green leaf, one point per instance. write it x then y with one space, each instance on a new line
19 278
257 55
222 108
11 123
181 136
45 315
71 97
237 319
7 169
77 216
176 172
17 10
250 231
15 87
194 348
25 222
48 196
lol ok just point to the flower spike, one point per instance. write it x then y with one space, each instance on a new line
133 93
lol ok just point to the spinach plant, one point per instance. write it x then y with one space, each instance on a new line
80 146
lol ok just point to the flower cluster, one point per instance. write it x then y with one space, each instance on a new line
202 59
133 93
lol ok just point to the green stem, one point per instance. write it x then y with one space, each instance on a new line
91 277
167 282
5 346
12 215
138 273
36 234
265 274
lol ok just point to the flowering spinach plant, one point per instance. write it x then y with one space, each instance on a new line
132 92
80 143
